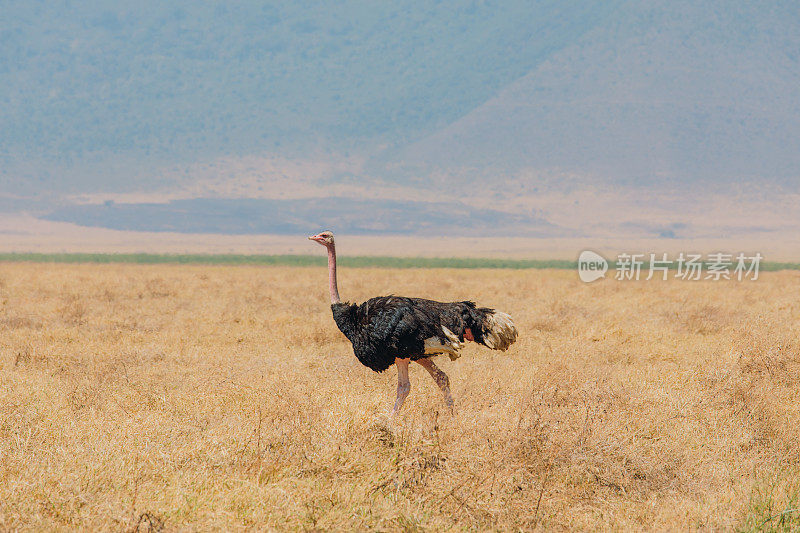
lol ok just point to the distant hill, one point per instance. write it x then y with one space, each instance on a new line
674 91
172 81
485 104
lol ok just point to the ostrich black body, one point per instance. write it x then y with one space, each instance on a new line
387 327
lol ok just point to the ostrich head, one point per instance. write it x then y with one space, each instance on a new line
325 238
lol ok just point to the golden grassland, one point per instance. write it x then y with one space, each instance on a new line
224 398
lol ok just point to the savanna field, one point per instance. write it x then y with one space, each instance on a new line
174 397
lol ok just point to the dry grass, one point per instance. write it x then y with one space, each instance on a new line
169 397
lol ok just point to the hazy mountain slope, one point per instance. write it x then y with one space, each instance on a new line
534 114
683 91
97 82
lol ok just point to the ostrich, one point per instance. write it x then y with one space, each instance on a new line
389 330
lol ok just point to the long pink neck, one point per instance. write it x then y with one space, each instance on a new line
332 275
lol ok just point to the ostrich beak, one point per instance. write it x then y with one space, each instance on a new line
315 238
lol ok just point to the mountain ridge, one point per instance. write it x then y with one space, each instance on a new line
494 106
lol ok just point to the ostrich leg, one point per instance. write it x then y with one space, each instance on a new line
403 384
440 378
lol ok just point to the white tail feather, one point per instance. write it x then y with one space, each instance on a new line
499 331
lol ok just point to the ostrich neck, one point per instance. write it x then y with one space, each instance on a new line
332 275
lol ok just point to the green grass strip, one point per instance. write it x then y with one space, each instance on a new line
318 260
